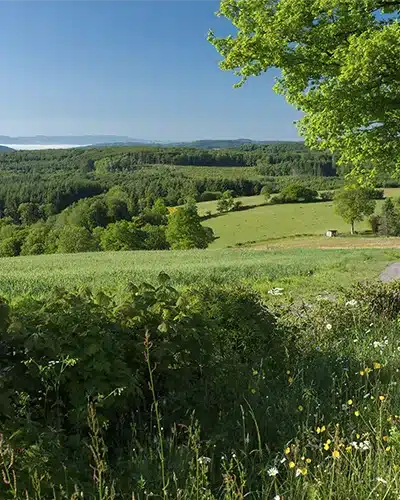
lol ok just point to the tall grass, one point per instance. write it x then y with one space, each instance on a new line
299 271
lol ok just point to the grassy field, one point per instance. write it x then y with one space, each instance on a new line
299 271
263 223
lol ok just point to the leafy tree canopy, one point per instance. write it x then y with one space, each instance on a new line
354 205
340 65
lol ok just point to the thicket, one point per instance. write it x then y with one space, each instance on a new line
213 392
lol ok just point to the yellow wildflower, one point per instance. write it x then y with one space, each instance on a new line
388 448
358 436
292 465
348 449
357 413
350 402
308 460
287 451
377 366
300 408
362 373
303 471
290 380
328 441
385 438
326 446
335 454
382 398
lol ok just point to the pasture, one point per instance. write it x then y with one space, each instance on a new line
266 222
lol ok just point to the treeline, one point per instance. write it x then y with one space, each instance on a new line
281 159
108 222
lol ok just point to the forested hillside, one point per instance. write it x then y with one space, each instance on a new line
118 198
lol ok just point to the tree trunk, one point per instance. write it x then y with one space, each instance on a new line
352 227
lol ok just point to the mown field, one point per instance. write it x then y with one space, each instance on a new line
262 223
300 271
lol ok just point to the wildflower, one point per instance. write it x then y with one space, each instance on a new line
381 398
366 445
350 402
283 460
204 460
275 291
328 326
319 430
308 460
287 451
357 413
326 446
388 448
354 444
348 449
273 471
385 438
381 480
292 465
336 454
276 497
351 302
290 380
362 373
301 472
377 366
300 408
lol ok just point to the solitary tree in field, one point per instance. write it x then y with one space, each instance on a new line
353 205
340 65
184 229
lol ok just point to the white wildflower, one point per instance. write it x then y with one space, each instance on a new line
283 460
364 446
351 302
354 444
328 326
275 291
298 472
204 460
276 497
273 471
381 480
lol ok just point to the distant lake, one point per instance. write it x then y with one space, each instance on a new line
32 147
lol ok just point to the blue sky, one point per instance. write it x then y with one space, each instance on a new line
137 68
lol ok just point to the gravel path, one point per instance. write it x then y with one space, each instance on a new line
391 273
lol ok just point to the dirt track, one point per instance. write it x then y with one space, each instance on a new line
391 273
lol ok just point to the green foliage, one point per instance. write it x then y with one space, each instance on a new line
388 223
354 205
232 396
72 239
226 202
122 235
295 193
267 190
29 213
184 230
339 67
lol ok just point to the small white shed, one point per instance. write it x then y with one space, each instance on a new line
331 233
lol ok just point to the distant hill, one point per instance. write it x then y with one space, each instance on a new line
80 140
5 149
200 144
